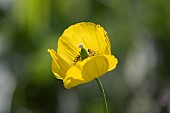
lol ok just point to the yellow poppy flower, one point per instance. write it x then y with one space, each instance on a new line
68 64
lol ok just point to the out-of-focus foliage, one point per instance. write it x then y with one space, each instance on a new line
139 31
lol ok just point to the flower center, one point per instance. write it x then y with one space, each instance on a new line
83 53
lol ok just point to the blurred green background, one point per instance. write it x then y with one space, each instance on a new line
139 31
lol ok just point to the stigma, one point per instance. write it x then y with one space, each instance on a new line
80 45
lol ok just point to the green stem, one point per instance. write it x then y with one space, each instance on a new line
103 95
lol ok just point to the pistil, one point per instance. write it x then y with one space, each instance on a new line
83 53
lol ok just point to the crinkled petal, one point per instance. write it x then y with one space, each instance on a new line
59 66
93 37
86 71
56 70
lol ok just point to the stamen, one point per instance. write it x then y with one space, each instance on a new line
80 45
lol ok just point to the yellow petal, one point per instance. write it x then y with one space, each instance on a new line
59 66
95 67
93 37
112 62
86 71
